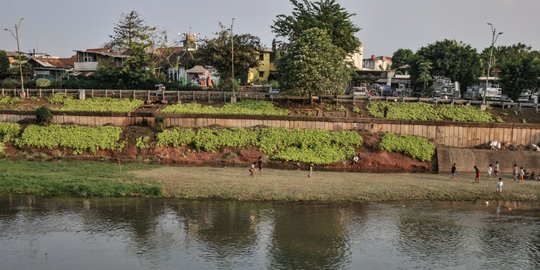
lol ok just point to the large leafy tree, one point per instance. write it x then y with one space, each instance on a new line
403 58
131 30
324 14
452 59
4 64
313 65
519 68
217 53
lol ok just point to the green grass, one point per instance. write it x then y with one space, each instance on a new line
75 179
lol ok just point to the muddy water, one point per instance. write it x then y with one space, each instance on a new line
52 233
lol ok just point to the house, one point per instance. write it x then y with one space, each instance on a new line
377 63
267 67
357 58
52 68
87 61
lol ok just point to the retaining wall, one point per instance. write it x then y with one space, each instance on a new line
466 159
451 134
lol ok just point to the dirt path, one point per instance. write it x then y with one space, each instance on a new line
294 185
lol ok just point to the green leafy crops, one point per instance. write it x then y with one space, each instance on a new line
429 112
299 145
96 104
9 101
247 107
74 137
9 131
413 146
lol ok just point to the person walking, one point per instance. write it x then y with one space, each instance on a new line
499 185
497 168
490 171
260 163
521 174
477 175
453 172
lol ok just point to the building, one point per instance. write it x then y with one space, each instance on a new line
266 70
357 58
377 63
52 68
86 62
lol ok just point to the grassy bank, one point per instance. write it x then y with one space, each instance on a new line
283 185
77 179
85 178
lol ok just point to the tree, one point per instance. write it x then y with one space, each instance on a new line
4 64
134 71
519 68
452 59
324 14
217 53
129 31
313 65
403 58
424 71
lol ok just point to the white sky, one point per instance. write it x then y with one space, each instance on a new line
58 27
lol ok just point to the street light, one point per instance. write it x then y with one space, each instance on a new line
494 37
233 98
16 37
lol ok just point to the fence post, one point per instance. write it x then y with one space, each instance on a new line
92 93
65 92
208 96
120 93
178 96
134 94
53 91
224 97
2 91
106 92
193 95
39 92
148 96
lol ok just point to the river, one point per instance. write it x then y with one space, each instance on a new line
75 233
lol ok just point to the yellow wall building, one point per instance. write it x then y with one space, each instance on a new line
266 69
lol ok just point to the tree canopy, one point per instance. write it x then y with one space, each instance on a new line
519 68
323 14
452 59
313 65
4 64
217 53
401 58
130 30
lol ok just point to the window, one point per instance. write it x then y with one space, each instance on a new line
261 74
261 56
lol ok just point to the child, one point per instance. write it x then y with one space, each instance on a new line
499 185
251 169
490 171
310 170
497 168
477 175
453 172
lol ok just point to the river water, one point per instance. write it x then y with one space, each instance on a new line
59 233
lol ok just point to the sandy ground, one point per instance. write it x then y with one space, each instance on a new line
295 185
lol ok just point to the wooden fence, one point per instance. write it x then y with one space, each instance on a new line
452 134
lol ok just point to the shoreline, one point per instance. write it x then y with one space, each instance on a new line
103 179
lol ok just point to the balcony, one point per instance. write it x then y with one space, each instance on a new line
86 66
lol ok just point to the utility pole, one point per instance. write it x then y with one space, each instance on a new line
16 37
493 40
233 98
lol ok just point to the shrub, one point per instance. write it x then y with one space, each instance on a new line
43 83
44 115
10 83
413 146
9 131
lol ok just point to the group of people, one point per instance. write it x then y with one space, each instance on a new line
254 165
519 174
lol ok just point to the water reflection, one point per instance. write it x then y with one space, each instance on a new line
53 233
310 236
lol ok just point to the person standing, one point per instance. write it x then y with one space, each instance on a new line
490 171
477 175
310 170
497 168
260 163
521 174
499 185
453 172
355 160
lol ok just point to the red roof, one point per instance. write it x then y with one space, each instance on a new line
56 62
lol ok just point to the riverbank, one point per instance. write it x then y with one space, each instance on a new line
102 179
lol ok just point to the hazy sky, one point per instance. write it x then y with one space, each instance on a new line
58 27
